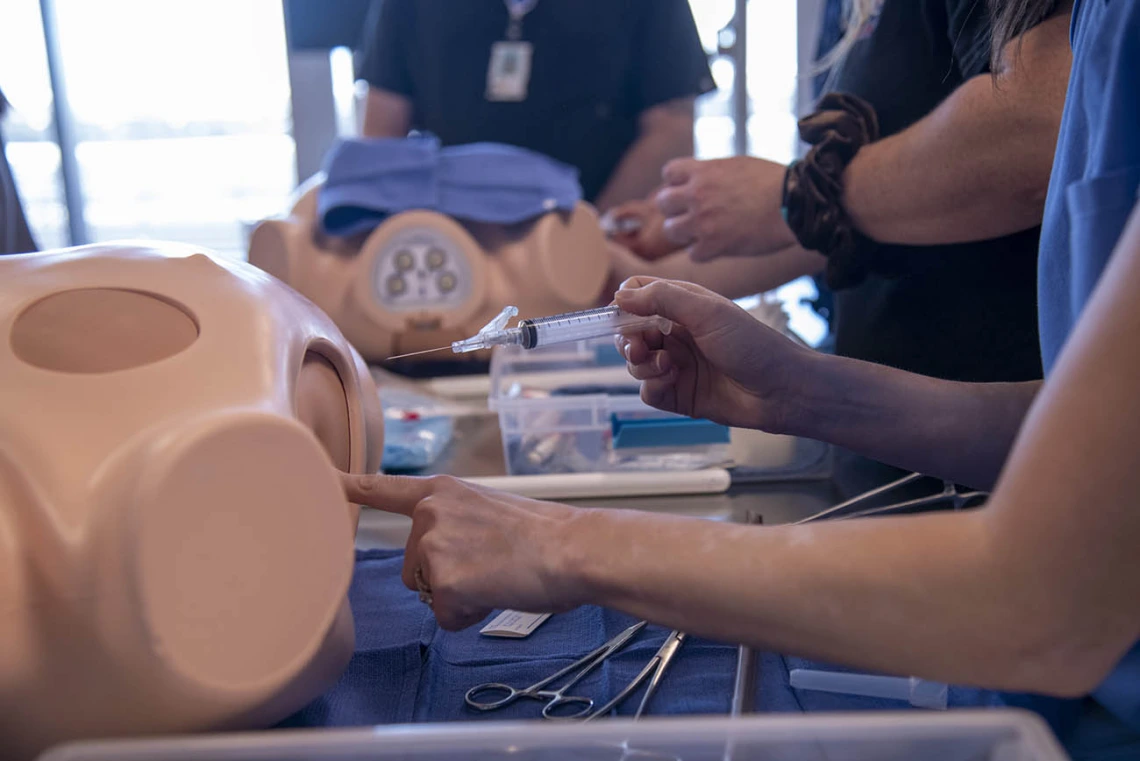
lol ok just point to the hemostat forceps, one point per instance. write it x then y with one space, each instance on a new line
850 509
654 671
554 698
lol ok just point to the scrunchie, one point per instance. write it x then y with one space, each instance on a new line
813 187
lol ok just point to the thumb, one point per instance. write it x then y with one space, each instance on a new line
392 494
677 171
684 304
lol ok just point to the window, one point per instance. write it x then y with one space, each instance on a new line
30 140
771 80
180 113
771 68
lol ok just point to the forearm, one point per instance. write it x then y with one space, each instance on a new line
1037 591
959 431
921 596
386 114
978 166
638 173
736 277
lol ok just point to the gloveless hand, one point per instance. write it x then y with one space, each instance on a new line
724 207
477 549
624 264
718 362
640 227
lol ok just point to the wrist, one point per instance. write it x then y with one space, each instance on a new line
814 197
852 198
580 559
784 231
791 406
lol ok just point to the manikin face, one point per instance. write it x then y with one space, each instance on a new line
175 550
422 280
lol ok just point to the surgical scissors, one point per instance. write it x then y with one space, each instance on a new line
657 666
554 698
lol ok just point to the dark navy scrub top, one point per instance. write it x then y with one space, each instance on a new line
598 65
1093 189
959 311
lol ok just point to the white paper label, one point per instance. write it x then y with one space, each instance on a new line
511 623
508 74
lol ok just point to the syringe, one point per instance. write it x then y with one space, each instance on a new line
556 329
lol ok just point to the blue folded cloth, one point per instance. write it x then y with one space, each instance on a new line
406 669
366 180
698 682
393 629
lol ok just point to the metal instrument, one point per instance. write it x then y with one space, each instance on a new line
653 671
555 698
853 508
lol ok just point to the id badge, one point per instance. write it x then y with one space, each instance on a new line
508 74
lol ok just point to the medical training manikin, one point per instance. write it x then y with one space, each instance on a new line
175 548
416 257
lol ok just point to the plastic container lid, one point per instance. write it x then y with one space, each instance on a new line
989 735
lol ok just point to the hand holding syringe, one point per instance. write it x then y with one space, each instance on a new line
557 329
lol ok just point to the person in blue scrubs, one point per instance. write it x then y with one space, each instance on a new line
1086 251
1039 591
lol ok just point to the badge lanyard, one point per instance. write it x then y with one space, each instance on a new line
517 10
508 74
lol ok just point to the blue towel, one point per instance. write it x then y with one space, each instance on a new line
699 682
368 180
393 629
406 669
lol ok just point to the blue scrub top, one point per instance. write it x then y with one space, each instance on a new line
1092 191
1096 171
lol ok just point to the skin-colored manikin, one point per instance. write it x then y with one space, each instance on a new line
175 549
422 280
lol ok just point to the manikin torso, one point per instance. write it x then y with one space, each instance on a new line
175 550
422 280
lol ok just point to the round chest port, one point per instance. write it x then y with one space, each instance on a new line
101 330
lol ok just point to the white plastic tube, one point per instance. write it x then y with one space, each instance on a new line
918 692
618 484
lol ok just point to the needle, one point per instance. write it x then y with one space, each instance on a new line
417 353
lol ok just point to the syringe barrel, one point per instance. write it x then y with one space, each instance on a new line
590 323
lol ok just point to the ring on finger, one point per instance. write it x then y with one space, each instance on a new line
423 587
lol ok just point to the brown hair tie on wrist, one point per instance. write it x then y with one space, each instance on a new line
813 187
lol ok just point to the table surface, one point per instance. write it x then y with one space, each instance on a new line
476 450
760 682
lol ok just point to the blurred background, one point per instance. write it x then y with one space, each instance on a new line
191 121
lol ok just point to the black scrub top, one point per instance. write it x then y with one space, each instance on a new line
961 312
597 65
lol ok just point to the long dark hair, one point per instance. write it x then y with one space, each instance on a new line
1013 18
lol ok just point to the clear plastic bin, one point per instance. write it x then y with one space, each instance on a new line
993 735
574 408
